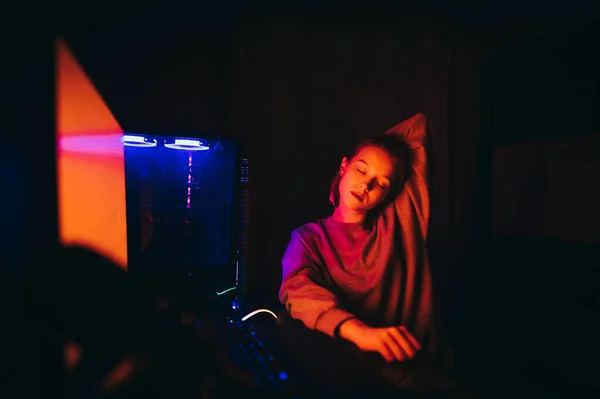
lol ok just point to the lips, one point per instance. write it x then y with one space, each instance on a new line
358 197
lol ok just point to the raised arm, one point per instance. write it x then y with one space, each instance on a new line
415 195
304 290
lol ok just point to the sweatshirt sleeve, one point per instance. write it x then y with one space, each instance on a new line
305 292
414 198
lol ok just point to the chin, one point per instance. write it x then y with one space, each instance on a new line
365 208
360 209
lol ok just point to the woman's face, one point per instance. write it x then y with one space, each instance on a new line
366 179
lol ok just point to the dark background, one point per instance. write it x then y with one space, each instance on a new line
300 85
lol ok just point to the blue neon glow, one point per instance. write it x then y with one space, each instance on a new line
187 144
131 140
283 376
190 195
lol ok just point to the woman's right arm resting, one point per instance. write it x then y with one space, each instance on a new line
306 295
304 290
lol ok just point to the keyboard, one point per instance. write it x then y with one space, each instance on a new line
248 351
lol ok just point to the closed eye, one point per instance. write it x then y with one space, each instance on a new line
361 171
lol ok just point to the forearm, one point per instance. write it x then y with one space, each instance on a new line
413 199
317 312
305 292
351 329
413 131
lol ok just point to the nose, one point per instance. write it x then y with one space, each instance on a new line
365 186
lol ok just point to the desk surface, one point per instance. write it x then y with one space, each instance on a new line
324 367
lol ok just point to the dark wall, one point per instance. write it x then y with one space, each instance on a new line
541 267
161 76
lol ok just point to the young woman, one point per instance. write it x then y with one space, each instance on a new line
362 274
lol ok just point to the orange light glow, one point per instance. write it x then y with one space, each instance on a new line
90 163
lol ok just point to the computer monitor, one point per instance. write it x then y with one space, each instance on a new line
183 205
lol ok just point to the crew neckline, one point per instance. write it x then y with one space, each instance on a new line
345 226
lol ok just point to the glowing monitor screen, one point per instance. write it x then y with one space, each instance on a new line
181 207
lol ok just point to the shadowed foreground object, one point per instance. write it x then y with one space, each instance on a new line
117 342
